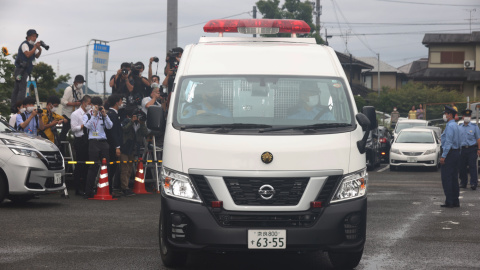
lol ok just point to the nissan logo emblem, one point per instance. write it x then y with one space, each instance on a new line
266 192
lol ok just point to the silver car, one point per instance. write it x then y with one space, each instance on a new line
28 165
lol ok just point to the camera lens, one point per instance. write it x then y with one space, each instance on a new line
100 108
155 59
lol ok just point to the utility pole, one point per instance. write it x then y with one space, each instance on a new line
471 10
378 73
318 12
254 13
326 37
172 24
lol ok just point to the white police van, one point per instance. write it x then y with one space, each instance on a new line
264 148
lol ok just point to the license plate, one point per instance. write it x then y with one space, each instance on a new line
57 178
411 159
267 239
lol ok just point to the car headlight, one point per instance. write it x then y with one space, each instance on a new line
178 185
431 151
395 151
352 186
26 152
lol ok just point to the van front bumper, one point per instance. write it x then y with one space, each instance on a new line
194 226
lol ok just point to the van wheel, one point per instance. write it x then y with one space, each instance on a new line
20 198
345 260
170 258
3 188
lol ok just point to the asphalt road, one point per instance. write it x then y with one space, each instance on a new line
407 229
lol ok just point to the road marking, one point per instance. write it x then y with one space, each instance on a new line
437 212
417 203
383 169
450 222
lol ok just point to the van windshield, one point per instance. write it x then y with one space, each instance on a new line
262 102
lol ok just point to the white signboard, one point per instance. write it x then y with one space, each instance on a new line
100 57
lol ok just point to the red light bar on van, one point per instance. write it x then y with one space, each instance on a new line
257 26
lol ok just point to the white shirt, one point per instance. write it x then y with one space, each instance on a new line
145 100
69 96
76 122
25 48
13 120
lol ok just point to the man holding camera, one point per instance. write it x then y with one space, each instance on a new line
97 121
28 121
173 60
140 84
71 101
51 119
120 82
27 52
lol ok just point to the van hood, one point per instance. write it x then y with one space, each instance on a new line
290 153
36 142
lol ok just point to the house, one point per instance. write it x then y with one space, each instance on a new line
353 69
452 63
389 75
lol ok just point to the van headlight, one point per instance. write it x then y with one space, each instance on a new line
178 185
352 186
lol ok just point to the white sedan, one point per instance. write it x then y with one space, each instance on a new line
415 147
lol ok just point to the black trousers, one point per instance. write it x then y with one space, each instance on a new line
65 128
97 150
468 157
450 177
113 170
80 173
19 87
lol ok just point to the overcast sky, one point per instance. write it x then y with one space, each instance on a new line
392 28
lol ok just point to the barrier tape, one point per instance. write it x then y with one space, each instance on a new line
112 162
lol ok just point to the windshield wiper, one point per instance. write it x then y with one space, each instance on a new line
226 126
315 126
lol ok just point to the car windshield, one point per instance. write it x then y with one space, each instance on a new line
401 126
415 137
5 127
262 102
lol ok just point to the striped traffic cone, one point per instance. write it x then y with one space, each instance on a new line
139 185
103 191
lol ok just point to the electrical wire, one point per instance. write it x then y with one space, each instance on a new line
428 4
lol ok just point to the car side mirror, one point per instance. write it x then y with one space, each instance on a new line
156 118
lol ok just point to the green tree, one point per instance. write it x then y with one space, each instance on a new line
360 102
6 84
291 9
44 76
415 94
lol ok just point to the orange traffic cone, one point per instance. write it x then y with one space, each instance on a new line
103 191
139 185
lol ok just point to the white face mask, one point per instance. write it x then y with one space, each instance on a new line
79 86
54 109
31 42
88 107
121 106
22 110
466 119
312 101
395 109
155 85
30 109
445 118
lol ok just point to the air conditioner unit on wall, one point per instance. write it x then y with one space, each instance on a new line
469 64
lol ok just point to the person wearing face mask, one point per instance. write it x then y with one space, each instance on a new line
470 139
27 52
51 119
394 117
114 139
207 101
28 121
80 144
140 84
153 99
449 160
120 83
20 109
71 101
308 107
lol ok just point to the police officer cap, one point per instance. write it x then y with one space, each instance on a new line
449 109
32 32
467 112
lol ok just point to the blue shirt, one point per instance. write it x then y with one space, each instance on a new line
302 113
200 109
450 137
469 134
95 126
31 128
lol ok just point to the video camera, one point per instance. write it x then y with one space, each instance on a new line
141 116
135 68
39 110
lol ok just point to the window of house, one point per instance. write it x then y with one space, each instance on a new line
452 57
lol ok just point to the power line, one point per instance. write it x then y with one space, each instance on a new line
428 4
408 33
143 35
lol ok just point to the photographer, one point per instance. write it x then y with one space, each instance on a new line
27 52
154 99
170 71
119 82
140 84
150 77
71 101
50 120
134 130
97 121
28 121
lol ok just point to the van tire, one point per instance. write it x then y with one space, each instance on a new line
3 188
20 198
170 258
345 260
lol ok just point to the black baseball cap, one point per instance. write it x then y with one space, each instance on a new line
79 78
31 32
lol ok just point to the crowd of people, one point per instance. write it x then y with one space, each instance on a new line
112 129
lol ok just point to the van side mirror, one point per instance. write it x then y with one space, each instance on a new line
156 118
369 111
365 121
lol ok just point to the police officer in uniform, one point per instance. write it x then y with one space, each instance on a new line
449 160
470 139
